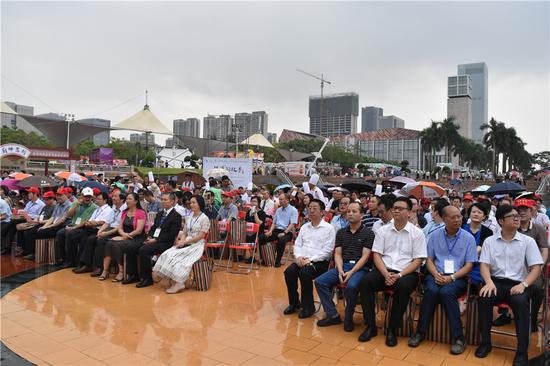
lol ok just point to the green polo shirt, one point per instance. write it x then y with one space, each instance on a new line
83 212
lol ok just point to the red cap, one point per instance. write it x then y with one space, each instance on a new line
61 190
468 197
49 194
227 194
524 202
68 190
96 191
425 201
34 190
185 189
537 196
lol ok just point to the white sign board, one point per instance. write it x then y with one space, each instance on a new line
14 149
240 170
295 168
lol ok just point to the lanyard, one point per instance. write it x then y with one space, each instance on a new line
450 248
191 223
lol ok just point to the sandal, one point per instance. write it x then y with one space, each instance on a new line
116 279
103 276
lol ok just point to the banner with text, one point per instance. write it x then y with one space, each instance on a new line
240 170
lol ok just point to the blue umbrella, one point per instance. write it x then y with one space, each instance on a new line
283 187
93 184
504 188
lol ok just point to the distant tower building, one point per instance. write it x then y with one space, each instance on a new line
272 137
169 142
140 138
249 124
370 118
190 127
258 123
478 73
15 121
459 103
338 117
217 127
390 122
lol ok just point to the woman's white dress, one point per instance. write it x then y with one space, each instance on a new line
177 263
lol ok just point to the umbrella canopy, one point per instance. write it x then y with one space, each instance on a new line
19 176
76 177
196 178
284 187
423 190
94 184
38 181
401 179
63 175
339 189
505 187
481 188
358 184
10 183
526 195
217 173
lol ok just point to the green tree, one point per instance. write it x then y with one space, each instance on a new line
84 147
17 136
405 166
432 140
542 159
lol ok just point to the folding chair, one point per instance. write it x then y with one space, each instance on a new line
217 240
408 318
241 230
242 215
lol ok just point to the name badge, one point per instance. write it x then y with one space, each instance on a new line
156 233
449 265
77 222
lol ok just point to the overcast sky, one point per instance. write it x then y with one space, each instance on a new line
222 58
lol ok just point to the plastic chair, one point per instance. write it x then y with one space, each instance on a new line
219 235
243 229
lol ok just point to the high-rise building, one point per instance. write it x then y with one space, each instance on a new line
102 138
248 124
338 116
16 121
459 103
190 127
218 127
370 118
258 123
272 137
140 138
391 122
169 142
479 94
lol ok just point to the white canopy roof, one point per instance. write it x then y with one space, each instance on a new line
257 139
143 121
4 108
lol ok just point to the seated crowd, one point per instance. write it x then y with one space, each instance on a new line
354 244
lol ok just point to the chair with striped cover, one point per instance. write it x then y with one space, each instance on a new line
45 251
240 230
218 237
406 329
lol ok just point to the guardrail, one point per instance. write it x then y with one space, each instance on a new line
80 167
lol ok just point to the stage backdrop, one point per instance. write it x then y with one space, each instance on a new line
240 170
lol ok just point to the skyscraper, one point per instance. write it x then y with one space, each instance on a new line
479 81
370 118
218 127
140 138
249 124
338 117
187 127
459 103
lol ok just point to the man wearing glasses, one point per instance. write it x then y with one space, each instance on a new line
398 251
510 262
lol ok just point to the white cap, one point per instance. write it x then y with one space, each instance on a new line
249 186
87 191
314 179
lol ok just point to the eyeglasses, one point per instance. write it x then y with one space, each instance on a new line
513 216
399 208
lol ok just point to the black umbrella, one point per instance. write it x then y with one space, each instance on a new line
505 188
94 184
38 181
358 185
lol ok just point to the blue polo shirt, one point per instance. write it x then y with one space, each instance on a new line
460 249
284 216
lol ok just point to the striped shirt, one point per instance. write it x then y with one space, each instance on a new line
368 219
353 243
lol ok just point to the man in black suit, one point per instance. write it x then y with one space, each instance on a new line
161 237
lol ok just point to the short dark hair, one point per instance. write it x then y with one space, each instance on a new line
361 209
103 195
172 183
148 193
170 195
321 203
386 200
404 199
179 194
440 204
503 211
200 201
456 198
483 207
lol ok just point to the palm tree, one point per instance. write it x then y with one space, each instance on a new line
451 137
494 140
432 141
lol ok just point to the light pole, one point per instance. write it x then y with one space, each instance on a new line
69 118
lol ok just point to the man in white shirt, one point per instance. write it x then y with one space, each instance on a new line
510 262
267 204
312 249
398 252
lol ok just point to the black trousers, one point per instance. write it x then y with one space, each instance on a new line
402 290
131 249
73 240
4 229
520 309
93 250
33 235
306 275
146 252
24 238
281 242
8 232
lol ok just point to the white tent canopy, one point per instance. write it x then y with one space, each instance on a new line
143 121
4 108
258 140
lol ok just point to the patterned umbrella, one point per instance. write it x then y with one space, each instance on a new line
38 181
423 189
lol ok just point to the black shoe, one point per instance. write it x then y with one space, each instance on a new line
306 313
66 265
129 280
145 283
416 339
368 334
291 309
83 269
503 319
277 264
329 321
96 273
30 257
534 328
520 359
349 326
391 339
483 350
458 346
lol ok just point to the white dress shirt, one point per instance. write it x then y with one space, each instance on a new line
103 213
268 206
380 224
400 248
315 242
